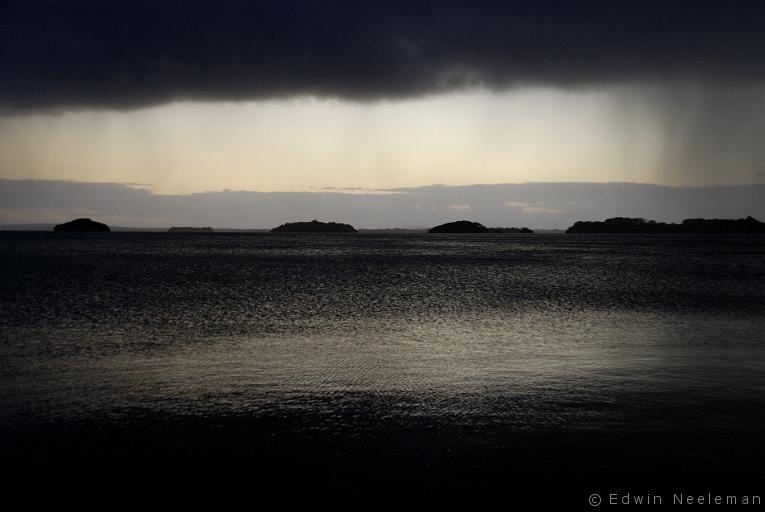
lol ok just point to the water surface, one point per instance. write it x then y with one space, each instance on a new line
469 358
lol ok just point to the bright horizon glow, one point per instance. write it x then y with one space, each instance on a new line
471 137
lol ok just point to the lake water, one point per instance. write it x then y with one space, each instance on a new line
468 360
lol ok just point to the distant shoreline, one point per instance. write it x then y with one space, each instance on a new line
627 225
615 225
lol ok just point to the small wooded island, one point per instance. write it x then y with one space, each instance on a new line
510 230
314 226
83 225
466 226
189 229
688 226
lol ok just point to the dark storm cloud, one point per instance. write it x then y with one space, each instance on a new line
129 54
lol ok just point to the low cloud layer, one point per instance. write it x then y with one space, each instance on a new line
96 54
537 205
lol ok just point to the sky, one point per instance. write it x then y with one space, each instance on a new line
178 99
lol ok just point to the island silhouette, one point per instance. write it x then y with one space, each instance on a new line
688 226
460 226
82 225
314 226
466 226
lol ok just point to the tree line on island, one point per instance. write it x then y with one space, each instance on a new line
612 225
82 225
314 226
688 226
466 226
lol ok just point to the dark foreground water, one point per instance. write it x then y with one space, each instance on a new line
451 364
